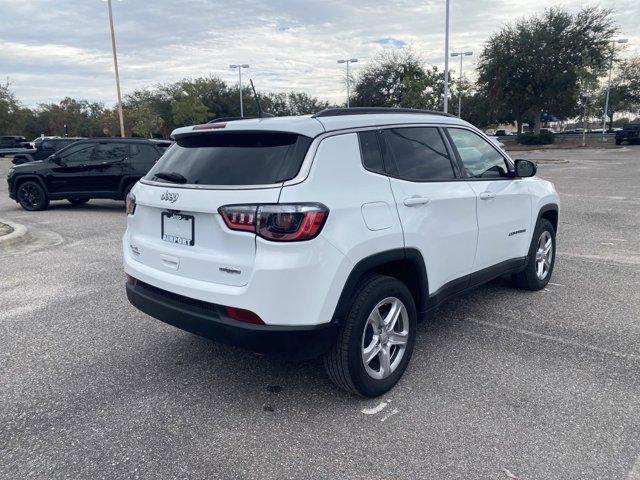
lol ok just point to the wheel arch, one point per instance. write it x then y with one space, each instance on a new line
549 212
25 178
405 264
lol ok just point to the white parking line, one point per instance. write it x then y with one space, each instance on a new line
392 412
562 341
634 473
377 409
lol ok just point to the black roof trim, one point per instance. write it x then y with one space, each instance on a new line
228 119
339 112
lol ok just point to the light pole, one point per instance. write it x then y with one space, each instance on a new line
606 102
446 60
115 64
240 66
461 55
348 61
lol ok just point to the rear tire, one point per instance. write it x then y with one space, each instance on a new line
541 258
381 327
77 201
32 197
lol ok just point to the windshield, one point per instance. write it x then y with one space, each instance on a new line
243 158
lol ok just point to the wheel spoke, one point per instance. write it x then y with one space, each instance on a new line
540 269
398 338
376 321
392 317
385 361
371 351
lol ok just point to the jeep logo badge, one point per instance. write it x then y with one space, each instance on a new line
169 197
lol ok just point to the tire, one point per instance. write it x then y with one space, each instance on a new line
618 142
531 277
345 364
77 201
31 196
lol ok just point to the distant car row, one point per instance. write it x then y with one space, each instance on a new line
573 131
79 169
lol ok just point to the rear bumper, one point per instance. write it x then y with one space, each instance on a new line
209 320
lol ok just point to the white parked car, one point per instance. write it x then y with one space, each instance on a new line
332 234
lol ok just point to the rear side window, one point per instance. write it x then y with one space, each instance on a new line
111 152
418 154
144 153
247 158
370 151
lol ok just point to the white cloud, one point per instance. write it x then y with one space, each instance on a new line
54 48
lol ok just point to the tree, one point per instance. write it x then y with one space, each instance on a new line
397 78
144 121
534 65
9 111
189 110
624 95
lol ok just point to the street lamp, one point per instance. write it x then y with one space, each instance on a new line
606 102
461 55
240 66
347 61
446 60
115 64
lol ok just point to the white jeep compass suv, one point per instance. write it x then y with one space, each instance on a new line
332 234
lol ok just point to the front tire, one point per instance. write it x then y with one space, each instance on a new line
541 258
32 197
375 343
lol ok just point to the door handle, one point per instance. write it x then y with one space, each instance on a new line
415 201
487 195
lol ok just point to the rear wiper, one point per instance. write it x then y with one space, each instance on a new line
171 176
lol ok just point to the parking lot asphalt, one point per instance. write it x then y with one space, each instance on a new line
503 383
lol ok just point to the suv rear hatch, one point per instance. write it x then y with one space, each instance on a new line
176 226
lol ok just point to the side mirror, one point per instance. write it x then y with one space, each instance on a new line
525 168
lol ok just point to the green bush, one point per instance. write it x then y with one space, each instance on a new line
529 138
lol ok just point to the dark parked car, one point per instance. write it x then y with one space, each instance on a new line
12 142
86 169
629 133
44 147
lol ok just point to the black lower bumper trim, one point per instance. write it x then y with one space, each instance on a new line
209 320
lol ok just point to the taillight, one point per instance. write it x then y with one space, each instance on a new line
131 203
277 222
239 217
131 280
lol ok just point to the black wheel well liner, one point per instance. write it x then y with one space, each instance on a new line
549 212
405 264
126 181
28 177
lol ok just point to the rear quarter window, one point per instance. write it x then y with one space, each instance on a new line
242 158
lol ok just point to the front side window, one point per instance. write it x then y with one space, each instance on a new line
78 154
239 158
418 154
479 158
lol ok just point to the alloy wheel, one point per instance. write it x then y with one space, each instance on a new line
384 338
544 255
30 195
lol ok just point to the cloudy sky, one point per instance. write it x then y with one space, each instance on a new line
50 49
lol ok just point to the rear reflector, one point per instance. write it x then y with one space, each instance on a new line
209 126
130 280
243 315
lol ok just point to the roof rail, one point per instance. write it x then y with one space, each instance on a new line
338 112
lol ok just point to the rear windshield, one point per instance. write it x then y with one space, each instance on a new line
234 158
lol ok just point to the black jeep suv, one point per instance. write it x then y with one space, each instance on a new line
91 168
43 148
629 133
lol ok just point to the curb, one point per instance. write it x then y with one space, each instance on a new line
19 232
